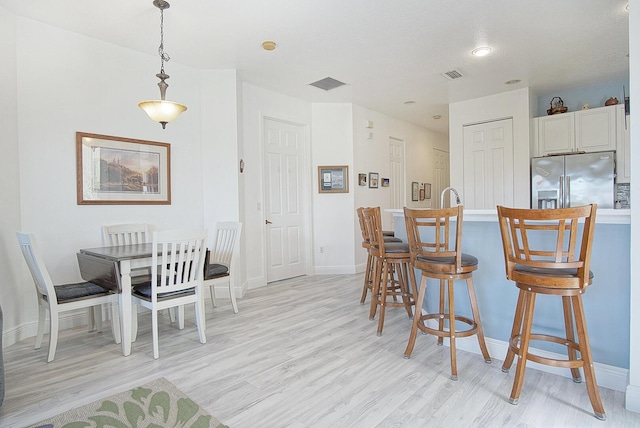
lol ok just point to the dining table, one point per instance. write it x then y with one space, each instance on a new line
126 258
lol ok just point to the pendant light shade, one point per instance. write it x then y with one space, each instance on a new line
162 111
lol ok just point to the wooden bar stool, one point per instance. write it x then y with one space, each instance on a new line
438 256
391 277
388 236
540 257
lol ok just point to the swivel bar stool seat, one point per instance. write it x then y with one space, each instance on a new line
391 277
548 252
436 250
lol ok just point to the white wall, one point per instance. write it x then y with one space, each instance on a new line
11 299
514 104
333 213
257 104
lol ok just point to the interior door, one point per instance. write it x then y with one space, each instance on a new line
284 210
488 165
441 169
396 187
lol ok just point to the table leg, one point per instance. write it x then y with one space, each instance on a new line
125 306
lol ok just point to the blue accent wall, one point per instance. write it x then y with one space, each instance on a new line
606 302
594 95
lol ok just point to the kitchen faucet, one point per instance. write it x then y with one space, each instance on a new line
445 191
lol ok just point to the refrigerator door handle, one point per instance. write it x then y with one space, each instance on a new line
567 191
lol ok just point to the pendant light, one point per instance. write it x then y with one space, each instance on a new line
162 111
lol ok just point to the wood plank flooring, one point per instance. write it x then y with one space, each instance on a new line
300 353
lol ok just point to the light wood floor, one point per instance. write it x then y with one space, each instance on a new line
301 353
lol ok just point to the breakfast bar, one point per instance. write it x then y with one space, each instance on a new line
606 302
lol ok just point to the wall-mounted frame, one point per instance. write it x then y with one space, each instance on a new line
122 171
373 180
422 194
362 179
385 182
333 179
414 190
427 190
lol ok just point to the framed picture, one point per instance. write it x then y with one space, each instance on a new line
385 182
414 191
362 179
427 190
422 194
333 179
373 180
122 171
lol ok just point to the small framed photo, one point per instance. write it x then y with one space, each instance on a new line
422 193
414 191
373 180
385 182
122 171
362 179
333 179
427 190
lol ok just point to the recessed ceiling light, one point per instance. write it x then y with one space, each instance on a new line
268 45
437 116
512 82
410 102
482 51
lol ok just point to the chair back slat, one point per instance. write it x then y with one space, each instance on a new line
35 263
548 239
226 242
431 234
373 229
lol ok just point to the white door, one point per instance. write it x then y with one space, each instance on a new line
441 169
396 176
488 165
284 210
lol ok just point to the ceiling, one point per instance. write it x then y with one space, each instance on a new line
387 52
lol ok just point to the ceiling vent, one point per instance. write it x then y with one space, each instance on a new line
327 84
452 74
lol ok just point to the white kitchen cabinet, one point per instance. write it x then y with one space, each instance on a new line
591 130
623 158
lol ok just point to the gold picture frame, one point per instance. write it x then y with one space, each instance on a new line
122 171
333 179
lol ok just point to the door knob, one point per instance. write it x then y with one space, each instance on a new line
267 222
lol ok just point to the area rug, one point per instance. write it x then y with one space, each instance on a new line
156 404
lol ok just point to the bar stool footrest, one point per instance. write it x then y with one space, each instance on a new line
565 363
445 331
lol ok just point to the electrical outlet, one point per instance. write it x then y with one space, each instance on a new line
321 250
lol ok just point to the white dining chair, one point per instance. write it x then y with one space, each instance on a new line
126 234
62 298
179 255
220 256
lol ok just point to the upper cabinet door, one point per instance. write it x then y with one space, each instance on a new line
596 129
556 134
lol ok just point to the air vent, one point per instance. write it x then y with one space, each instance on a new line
452 75
327 84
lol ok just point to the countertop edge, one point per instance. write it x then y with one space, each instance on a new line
603 216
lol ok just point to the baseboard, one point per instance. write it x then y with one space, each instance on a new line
335 270
632 398
606 376
30 329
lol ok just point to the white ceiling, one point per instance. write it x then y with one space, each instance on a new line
386 51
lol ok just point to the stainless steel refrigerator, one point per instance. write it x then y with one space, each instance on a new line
573 180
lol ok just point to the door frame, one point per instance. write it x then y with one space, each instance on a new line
305 187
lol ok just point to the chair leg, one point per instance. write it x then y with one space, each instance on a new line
403 275
134 322
180 315
200 320
476 319
232 295
528 306
568 327
376 289
53 335
452 331
367 279
42 313
416 317
154 332
441 309
387 277
97 314
212 291
91 325
115 323
585 352
515 331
